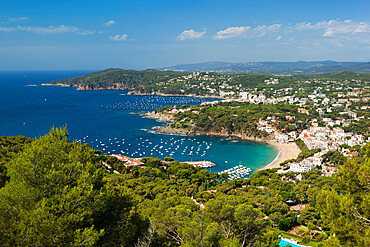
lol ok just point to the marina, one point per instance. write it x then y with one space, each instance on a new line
111 121
204 163
237 172
186 147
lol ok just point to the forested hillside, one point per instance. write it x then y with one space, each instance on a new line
118 79
201 84
58 194
238 118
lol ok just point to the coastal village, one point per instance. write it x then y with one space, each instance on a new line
337 105
320 128
185 123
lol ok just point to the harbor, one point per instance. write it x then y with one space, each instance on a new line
237 172
204 163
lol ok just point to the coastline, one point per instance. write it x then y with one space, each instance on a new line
287 151
131 92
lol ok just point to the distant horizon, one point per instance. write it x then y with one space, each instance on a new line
161 67
85 35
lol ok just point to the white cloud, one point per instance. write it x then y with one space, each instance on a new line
271 28
231 32
110 23
87 32
263 30
49 29
119 37
7 29
17 19
335 28
190 34
247 31
278 38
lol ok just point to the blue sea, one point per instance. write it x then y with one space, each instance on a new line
110 121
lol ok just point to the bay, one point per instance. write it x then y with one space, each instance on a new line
109 121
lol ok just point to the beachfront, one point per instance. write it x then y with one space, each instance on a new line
287 151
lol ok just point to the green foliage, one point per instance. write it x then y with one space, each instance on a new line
9 146
335 157
57 197
302 146
306 240
120 79
284 224
151 162
238 118
268 239
306 154
348 212
168 159
343 75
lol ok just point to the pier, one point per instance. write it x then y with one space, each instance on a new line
204 163
236 172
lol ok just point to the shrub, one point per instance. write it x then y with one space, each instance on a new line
168 159
306 240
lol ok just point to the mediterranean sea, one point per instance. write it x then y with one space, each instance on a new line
110 121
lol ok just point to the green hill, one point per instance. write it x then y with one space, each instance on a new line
118 79
344 75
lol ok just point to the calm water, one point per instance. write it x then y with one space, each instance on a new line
110 121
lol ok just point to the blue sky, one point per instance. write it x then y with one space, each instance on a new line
92 34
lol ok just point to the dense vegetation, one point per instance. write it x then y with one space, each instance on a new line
119 79
258 80
58 195
169 82
239 118
296 68
9 146
343 75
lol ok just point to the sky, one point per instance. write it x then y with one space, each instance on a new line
93 34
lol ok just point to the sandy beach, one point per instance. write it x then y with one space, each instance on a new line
287 151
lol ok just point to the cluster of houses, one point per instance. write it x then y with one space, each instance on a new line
331 137
328 137
260 98
127 161
272 81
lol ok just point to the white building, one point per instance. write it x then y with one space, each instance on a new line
301 168
281 137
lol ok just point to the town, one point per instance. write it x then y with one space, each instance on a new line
337 111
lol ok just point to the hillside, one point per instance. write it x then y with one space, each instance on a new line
291 68
58 194
207 84
343 75
117 79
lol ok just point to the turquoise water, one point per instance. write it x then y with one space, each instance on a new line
110 121
285 243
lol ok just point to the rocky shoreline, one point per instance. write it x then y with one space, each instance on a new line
159 116
130 92
169 118
59 85
168 130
